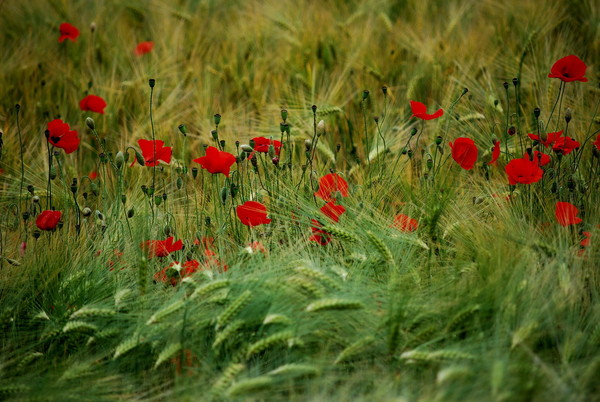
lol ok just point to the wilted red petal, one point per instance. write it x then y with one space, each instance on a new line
419 110
405 223
566 214
495 153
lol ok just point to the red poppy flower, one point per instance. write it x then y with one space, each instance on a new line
597 142
566 214
523 171
252 213
68 31
464 152
261 144
256 247
495 153
568 69
540 158
61 136
405 223
48 220
216 161
174 271
329 185
162 248
565 145
93 175
319 235
92 103
144 47
587 238
550 138
155 151
419 110
333 211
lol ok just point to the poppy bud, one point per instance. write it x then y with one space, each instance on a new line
164 196
217 119
254 161
207 221
568 115
183 129
123 199
194 172
365 94
376 119
496 102
530 153
246 148
314 108
93 27
515 81
74 186
139 158
144 189
99 215
275 161
56 153
505 85
179 183
36 234
337 148
413 132
307 145
119 160
438 140
240 158
233 190
152 82
214 134
554 188
384 90
282 127
158 200
222 142
271 151
321 128
130 213
465 90
429 164
90 123
150 190
536 112
284 115
35 199
52 173
85 195
25 216
252 143
224 193
94 188
287 128
410 153
103 157
512 130
86 212
30 188
404 151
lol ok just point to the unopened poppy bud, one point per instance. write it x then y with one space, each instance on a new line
224 193
179 182
158 200
240 158
99 215
376 119
150 190
144 189
25 216
515 81
164 196
384 90
130 213
194 172
554 188
438 140
275 161
207 221
536 112
86 212
512 130
217 119
252 143
222 142
52 173
233 190
282 127
93 27
284 115
214 134
307 145
321 128
246 148
85 195
119 160
287 128
103 226
183 129
35 199
56 153
365 94
103 157
152 82
505 85
314 108
139 158
410 153
36 234
413 132
30 188
90 123
337 148
465 90
74 186
404 151
123 199
568 115
429 164
271 151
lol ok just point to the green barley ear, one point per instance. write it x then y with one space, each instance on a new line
333 304
250 385
235 307
167 353
283 337
294 370
305 287
341 234
226 378
79 326
125 346
382 248
170 309
319 276
355 349
462 317
86 312
228 332
209 288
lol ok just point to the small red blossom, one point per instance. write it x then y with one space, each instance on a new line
48 220
566 214
597 142
419 110
319 235
333 211
495 153
464 152
61 136
256 247
586 240
405 223
329 185
569 69
565 145
523 171
144 47
175 271
68 31
216 161
261 144
252 213
155 151
540 158
550 138
93 175
92 103
162 248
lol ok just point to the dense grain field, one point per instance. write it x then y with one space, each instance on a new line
220 200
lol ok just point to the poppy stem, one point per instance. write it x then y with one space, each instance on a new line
153 151
560 91
49 185
18 108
